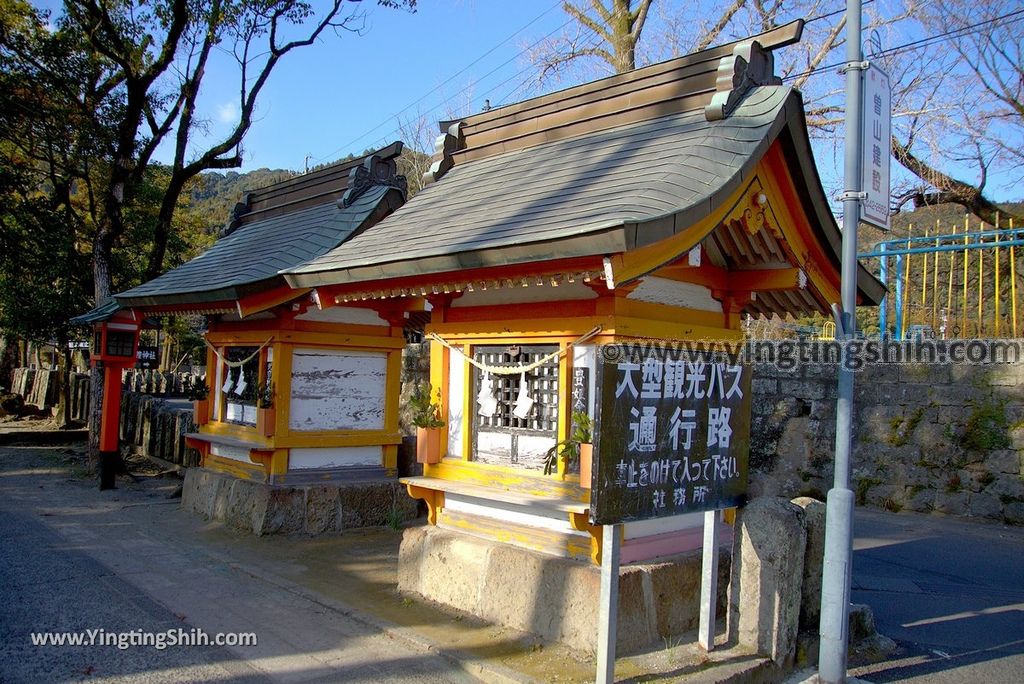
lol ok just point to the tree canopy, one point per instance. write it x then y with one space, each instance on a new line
957 73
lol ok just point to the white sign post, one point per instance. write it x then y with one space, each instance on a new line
877 147
608 609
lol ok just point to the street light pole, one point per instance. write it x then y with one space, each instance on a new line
835 593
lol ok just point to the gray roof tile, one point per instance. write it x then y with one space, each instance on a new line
630 174
256 252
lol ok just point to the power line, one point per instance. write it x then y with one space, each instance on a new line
593 45
449 80
589 33
1009 17
488 74
841 10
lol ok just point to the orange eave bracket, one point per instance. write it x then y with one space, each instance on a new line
268 299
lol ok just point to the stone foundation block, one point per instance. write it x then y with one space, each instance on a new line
767 574
814 559
312 509
553 598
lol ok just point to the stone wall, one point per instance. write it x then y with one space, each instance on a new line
308 509
37 387
156 427
415 369
927 438
554 598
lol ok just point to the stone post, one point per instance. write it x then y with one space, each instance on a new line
767 574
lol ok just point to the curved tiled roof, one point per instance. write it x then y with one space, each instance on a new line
278 228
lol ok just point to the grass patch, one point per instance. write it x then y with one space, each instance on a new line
903 428
395 518
864 484
953 484
892 505
987 428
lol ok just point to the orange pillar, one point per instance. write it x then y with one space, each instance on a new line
110 422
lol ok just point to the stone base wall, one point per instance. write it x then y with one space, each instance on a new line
554 598
314 509
929 438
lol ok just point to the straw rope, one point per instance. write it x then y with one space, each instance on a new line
522 368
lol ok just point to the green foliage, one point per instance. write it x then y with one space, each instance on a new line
197 390
903 429
426 413
265 395
864 485
987 428
214 195
569 449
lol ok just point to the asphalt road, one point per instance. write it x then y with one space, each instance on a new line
949 591
72 560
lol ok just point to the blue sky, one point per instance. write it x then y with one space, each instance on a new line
346 93
343 94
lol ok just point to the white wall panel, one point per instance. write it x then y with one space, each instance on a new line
334 457
337 390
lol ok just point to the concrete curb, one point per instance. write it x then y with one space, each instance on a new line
42 437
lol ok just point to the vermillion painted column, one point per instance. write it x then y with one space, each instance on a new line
109 442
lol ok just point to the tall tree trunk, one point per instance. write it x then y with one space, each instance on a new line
9 360
103 285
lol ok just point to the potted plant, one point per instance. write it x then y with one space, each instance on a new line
577 449
426 416
198 392
266 415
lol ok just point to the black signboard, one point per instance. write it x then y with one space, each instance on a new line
146 357
672 433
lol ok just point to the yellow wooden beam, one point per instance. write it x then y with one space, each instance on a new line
468 403
581 523
644 260
238 469
433 498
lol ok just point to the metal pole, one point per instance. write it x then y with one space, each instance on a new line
898 304
709 582
963 330
835 591
883 313
1013 286
935 279
949 289
608 610
924 276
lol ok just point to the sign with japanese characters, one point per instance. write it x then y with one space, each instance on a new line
581 390
876 142
146 357
672 434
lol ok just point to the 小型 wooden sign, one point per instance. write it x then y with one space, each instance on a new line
672 433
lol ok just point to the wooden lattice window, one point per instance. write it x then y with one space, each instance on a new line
241 384
542 384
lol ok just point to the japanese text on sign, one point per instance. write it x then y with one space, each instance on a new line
672 437
877 147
